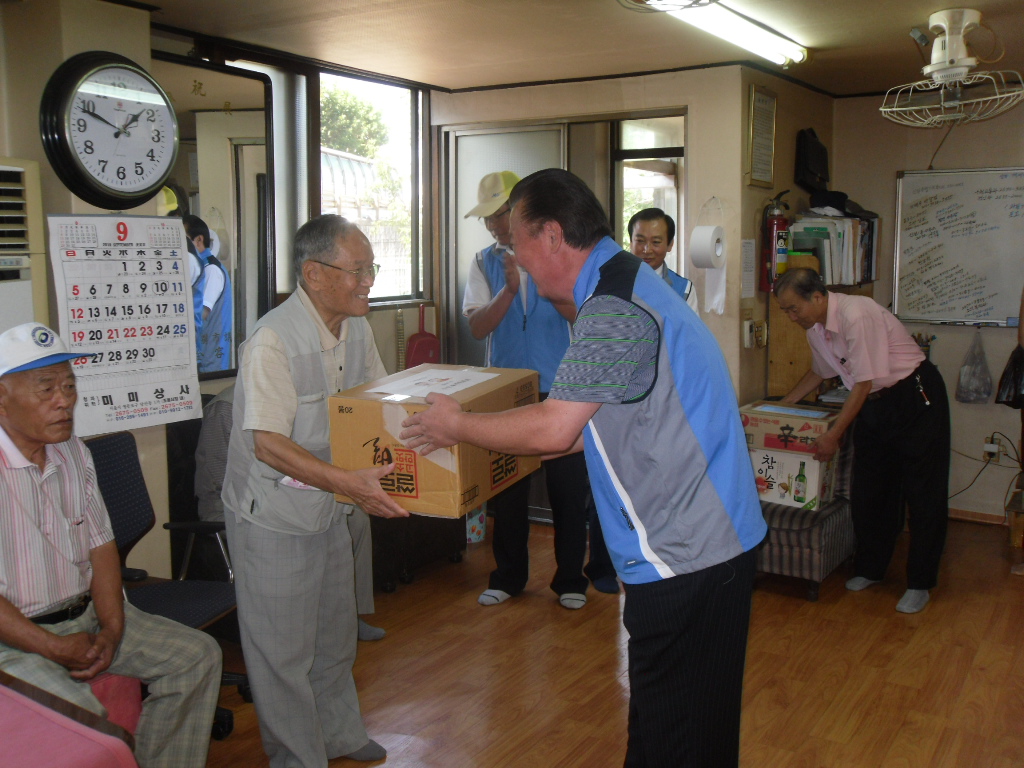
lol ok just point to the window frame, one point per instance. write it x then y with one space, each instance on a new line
419 130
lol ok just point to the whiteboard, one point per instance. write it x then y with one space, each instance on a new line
959 246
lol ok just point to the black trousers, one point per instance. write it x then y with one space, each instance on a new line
687 650
568 490
901 452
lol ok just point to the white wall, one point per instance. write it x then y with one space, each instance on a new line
716 103
37 36
214 133
714 107
867 152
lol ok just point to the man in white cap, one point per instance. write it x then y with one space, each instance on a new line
525 330
63 618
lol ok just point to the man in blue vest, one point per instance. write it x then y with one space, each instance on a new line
652 234
525 330
644 390
214 337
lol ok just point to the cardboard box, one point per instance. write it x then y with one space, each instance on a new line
366 421
775 474
785 427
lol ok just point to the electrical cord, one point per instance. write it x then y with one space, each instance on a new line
974 458
1009 442
983 467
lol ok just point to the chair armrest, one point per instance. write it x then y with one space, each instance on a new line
196 526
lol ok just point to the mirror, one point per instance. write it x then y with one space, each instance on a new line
223 175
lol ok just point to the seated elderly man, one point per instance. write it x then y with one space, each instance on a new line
63 619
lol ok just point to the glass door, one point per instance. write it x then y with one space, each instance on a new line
649 167
471 156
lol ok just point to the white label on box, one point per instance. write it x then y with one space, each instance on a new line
434 380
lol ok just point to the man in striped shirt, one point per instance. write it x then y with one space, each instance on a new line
63 618
644 391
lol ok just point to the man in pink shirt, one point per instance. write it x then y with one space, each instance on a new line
901 442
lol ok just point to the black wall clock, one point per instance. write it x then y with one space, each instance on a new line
108 129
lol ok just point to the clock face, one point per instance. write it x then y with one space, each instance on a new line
109 130
122 131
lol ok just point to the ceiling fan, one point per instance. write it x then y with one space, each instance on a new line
952 94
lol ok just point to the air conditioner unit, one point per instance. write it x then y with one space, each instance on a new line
23 268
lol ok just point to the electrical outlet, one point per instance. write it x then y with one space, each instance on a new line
748 334
761 334
992 449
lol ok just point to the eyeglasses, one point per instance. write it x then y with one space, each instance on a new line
371 271
496 215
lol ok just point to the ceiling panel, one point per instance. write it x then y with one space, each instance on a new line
857 47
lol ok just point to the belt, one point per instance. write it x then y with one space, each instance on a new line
64 614
914 379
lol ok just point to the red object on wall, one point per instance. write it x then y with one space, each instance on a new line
774 240
422 347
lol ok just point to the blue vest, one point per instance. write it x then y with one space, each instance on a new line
198 288
215 337
670 472
535 339
680 284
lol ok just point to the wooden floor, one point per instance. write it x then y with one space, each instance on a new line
844 682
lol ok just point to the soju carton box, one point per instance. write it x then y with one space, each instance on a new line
366 422
793 479
785 427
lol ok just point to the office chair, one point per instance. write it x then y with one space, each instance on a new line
196 604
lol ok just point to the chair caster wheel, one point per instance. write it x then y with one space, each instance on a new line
245 691
405 577
223 723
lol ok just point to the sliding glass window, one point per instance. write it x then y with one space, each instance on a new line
369 173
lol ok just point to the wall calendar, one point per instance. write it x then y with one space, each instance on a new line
124 300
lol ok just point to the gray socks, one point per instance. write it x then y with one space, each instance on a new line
368 632
913 600
368 752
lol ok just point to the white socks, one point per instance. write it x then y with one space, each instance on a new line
493 597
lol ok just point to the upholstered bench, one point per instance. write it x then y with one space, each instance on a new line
810 543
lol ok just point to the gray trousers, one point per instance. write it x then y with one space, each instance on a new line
180 665
297 615
362 550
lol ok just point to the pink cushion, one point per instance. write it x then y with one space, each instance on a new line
37 736
122 696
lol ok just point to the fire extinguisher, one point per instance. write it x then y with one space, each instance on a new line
774 240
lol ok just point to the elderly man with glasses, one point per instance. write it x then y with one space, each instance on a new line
526 330
290 540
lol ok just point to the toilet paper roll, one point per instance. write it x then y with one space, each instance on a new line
707 247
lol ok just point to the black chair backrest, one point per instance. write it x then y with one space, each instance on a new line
123 488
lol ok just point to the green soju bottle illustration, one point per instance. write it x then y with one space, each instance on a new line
800 486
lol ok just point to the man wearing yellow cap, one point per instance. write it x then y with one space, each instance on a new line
525 330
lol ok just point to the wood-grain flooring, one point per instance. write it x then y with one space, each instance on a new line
842 683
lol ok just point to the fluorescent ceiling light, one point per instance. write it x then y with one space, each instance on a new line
736 29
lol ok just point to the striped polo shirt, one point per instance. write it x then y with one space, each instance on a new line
666 453
49 520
